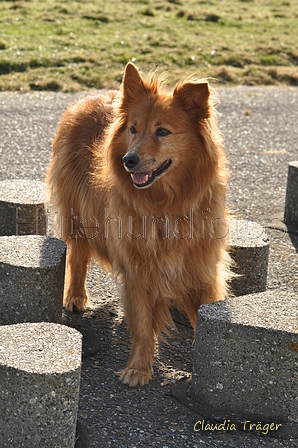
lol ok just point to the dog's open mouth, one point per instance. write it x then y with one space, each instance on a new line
142 180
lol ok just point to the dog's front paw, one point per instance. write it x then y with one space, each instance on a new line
78 303
135 377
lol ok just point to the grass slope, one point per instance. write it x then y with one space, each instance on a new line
70 46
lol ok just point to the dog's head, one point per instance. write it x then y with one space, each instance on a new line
164 140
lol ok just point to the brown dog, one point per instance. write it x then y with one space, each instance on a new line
139 180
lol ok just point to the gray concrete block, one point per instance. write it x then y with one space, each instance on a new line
249 249
291 204
40 367
22 207
31 279
246 356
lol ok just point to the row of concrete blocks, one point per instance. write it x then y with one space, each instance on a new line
32 276
40 359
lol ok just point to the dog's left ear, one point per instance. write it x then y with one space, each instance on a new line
133 84
194 98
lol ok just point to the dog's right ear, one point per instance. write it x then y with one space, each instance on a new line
133 85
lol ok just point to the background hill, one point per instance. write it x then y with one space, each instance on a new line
71 46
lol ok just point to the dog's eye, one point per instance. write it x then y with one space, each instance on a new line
162 132
132 130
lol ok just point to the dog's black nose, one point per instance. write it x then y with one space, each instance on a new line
130 160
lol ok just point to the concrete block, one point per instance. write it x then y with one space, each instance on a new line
291 204
40 368
31 279
246 356
249 249
22 207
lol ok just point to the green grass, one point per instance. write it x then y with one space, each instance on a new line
70 46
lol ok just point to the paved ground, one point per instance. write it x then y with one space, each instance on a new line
260 126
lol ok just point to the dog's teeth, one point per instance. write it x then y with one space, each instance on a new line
131 175
147 177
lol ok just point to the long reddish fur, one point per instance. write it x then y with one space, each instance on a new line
87 181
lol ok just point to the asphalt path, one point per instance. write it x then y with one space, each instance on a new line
260 128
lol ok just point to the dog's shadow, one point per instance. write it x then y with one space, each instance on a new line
294 239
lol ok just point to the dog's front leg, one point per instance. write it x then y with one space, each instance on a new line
139 321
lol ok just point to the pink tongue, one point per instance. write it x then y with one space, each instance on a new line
140 178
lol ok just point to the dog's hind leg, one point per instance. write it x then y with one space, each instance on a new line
78 256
